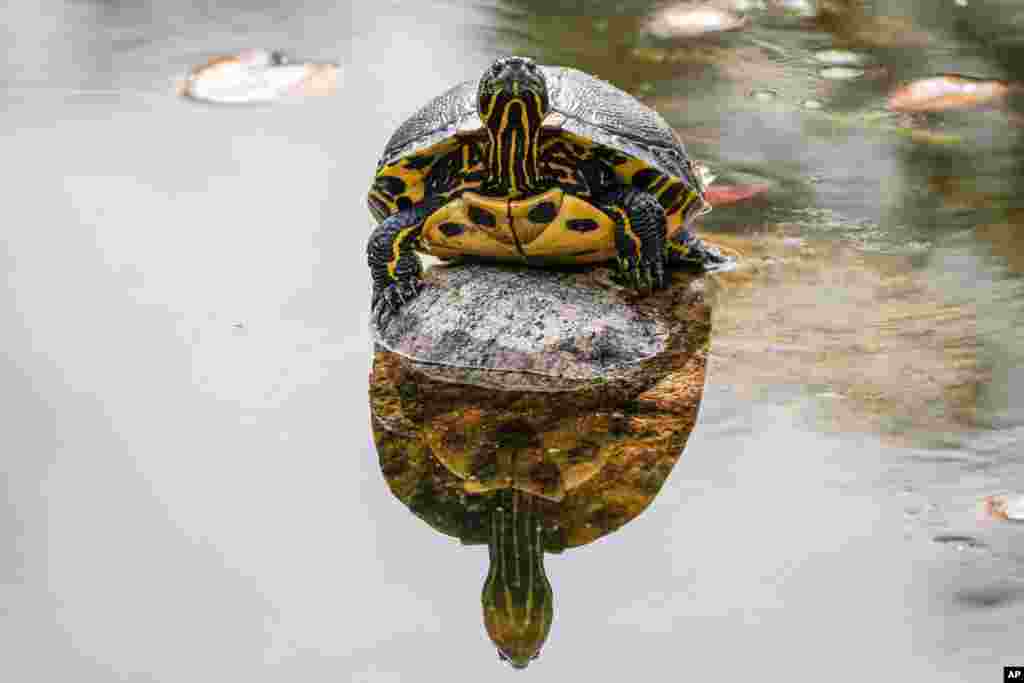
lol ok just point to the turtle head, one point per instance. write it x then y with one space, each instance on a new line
508 81
518 627
517 598
512 101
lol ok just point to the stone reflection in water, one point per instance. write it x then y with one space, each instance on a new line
495 452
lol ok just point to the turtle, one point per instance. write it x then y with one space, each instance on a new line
538 165
528 469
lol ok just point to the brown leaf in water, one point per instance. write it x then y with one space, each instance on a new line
257 75
693 20
1004 508
948 91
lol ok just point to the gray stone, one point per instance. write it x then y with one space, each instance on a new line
529 328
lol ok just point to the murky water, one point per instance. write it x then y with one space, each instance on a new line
193 491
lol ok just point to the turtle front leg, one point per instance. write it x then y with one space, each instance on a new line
640 235
393 262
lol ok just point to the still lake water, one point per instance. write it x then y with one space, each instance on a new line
192 489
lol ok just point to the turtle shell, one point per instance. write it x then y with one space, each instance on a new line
585 112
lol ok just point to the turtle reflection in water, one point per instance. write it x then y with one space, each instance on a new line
543 466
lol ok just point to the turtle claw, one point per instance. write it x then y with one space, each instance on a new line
710 259
642 275
388 300
704 257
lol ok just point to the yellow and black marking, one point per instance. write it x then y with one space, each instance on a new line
517 599
564 155
444 170
513 120
471 225
552 227
570 222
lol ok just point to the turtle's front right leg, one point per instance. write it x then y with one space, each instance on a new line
393 262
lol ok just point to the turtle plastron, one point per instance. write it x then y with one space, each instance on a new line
471 225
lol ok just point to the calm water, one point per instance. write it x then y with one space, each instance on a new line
192 490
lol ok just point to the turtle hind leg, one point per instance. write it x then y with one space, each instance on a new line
640 237
687 250
394 265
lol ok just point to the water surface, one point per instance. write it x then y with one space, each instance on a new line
192 488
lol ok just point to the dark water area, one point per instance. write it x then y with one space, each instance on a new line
192 487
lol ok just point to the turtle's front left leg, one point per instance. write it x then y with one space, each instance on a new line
393 262
640 234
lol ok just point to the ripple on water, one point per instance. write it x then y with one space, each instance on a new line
988 597
960 541
840 58
840 73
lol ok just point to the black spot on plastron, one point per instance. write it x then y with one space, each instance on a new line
543 213
419 162
644 178
390 185
582 224
452 229
403 203
482 217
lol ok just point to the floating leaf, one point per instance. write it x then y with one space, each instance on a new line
258 75
1004 508
690 20
721 195
948 91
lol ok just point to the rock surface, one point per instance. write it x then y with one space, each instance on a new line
595 452
529 328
